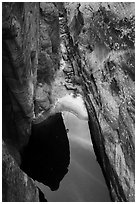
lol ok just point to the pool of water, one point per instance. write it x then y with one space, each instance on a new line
84 181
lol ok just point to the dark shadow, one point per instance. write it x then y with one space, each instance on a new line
47 155
41 196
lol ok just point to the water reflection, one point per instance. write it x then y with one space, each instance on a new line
84 181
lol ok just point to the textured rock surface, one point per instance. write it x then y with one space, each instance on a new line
20 61
48 57
30 59
20 36
49 42
98 49
17 186
105 63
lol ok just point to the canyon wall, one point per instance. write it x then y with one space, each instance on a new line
105 62
29 46
99 39
20 36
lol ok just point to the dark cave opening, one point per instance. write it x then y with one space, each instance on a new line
46 157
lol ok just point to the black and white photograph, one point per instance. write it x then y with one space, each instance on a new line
68 101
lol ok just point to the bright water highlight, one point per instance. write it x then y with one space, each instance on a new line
84 181
72 104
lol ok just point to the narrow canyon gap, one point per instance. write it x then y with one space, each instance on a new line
52 54
84 181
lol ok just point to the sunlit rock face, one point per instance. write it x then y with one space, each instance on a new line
72 104
106 64
113 112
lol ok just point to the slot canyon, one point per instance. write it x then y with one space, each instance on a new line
68 101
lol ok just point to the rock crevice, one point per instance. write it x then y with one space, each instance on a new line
95 42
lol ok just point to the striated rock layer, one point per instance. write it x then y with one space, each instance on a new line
30 40
20 36
105 63
20 60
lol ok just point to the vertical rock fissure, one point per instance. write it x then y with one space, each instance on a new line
75 58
